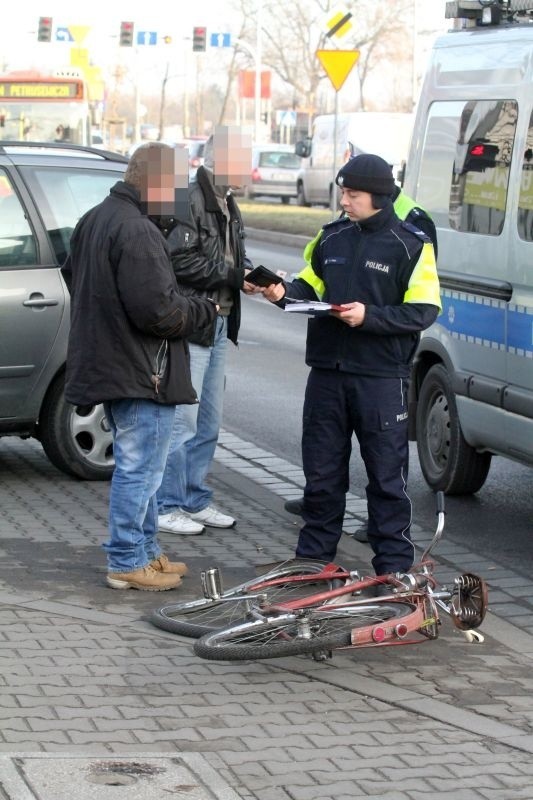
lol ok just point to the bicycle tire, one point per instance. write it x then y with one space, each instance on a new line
195 618
279 634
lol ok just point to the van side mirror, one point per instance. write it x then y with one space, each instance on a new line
400 175
303 148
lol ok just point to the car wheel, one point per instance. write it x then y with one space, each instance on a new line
300 196
448 462
76 439
285 200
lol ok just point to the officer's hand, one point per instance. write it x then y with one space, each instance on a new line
353 316
274 292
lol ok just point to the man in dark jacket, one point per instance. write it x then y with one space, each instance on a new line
209 258
127 349
383 271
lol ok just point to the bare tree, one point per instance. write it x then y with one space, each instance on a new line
293 32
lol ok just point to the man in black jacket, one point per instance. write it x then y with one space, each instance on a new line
209 258
383 272
127 349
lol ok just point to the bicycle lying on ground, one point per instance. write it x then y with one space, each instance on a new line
312 607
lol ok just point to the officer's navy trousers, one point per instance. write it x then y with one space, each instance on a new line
337 405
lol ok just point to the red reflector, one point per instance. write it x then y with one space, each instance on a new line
401 630
378 634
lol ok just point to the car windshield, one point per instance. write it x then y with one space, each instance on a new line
276 159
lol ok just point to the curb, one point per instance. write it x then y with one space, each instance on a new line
288 239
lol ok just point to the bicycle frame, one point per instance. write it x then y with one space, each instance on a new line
410 609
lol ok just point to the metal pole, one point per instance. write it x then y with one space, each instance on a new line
258 56
333 198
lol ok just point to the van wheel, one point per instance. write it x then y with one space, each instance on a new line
76 439
448 462
300 196
285 200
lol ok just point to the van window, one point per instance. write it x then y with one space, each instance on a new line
525 199
464 171
481 166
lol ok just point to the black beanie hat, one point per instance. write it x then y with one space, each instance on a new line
367 173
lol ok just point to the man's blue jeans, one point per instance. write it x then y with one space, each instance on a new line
141 437
195 432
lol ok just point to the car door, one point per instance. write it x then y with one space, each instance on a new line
32 303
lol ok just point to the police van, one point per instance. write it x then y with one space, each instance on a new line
471 167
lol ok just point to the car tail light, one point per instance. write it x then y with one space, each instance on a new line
256 175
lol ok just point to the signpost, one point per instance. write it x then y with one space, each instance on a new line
338 64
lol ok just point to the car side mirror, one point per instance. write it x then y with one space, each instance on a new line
303 148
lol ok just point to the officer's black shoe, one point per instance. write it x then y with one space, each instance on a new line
360 535
295 506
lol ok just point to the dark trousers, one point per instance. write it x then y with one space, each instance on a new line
338 404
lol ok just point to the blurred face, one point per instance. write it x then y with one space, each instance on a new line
165 183
232 156
357 205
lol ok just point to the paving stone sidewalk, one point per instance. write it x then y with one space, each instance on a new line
95 702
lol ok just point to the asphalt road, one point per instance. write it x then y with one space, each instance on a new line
266 379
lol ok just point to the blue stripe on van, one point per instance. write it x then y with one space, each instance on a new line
476 320
489 323
520 330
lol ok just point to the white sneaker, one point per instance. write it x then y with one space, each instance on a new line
212 518
179 522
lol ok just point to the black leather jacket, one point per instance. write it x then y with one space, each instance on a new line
197 247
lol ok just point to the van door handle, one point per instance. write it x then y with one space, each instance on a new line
40 302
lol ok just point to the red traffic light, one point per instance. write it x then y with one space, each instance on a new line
126 34
44 32
199 39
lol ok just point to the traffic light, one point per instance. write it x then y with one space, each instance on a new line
199 36
126 34
44 33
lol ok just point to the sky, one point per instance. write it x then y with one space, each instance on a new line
18 39
19 48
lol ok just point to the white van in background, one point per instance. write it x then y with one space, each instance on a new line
471 167
382 133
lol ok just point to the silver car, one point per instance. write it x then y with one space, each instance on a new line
44 190
275 170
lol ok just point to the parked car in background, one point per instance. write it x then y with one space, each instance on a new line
275 170
44 190
196 149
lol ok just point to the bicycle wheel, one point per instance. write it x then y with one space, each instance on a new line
198 617
292 634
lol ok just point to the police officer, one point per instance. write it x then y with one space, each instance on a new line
408 210
383 271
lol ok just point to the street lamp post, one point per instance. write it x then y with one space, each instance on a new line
258 58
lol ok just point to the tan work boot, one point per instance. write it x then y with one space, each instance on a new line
163 564
147 579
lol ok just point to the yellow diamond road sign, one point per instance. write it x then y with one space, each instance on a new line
338 22
338 64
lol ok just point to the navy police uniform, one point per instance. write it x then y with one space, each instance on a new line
359 378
